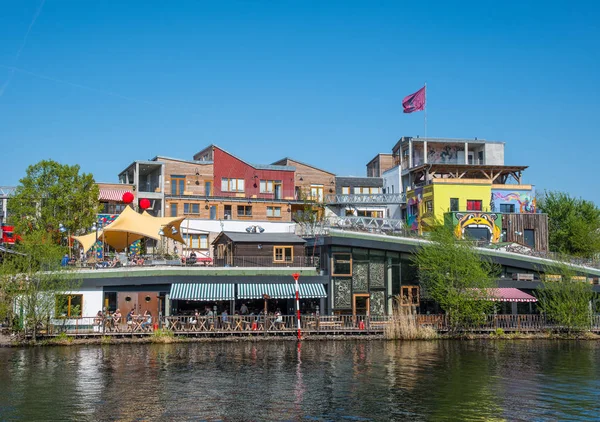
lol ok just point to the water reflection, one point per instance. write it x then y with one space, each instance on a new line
318 381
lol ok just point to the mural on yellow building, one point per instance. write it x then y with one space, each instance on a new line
478 224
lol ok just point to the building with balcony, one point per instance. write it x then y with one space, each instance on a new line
5 192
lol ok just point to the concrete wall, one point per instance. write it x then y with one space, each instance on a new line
494 154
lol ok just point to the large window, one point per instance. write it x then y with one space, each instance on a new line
268 186
273 211
191 208
177 185
283 254
473 205
429 206
196 241
232 185
346 190
174 210
341 264
208 188
244 210
316 193
69 306
508 208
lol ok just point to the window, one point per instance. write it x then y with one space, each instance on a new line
428 206
508 208
316 193
529 237
227 214
69 306
177 185
366 190
173 210
232 185
196 241
283 254
244 210
410 296
341 264
191 208
268 186
473 205
111 208
273 211
346 190
208 188
413 209
453 204
213 212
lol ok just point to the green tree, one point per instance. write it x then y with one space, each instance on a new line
565 299
455 276
52 194
573 224
34 283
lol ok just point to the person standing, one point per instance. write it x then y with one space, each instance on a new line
244 309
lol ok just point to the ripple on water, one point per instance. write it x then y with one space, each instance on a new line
324 381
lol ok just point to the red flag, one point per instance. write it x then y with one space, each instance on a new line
414 102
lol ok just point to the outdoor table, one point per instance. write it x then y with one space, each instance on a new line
137 323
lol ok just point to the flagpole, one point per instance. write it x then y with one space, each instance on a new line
425 110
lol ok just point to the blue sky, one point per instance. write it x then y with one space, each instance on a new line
105 83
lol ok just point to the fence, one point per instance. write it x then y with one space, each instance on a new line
310 324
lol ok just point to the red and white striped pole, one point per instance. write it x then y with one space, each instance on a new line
296 277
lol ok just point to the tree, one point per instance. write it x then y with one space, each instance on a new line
455 276
52 194
565 299
33 283
573 224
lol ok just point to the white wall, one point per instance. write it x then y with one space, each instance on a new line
494 154
392 178
93 299
217 226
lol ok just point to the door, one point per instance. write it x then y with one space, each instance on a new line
277 190
360 304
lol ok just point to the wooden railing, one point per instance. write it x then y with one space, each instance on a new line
310 324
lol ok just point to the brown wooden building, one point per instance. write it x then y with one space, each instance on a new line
259 249
379 164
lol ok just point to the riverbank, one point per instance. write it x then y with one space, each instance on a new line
168 338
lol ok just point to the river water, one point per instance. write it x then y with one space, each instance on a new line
321 381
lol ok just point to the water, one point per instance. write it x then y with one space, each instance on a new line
324 381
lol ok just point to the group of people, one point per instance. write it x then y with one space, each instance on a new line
112 321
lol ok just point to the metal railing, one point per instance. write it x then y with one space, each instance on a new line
367 199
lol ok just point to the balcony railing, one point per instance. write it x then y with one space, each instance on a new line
366 199
369 224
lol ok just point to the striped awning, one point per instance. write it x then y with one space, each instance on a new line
508 294
202 291
280 291
115 195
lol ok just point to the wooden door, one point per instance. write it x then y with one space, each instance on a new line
361 304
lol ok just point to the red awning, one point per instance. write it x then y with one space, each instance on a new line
509 294
115 195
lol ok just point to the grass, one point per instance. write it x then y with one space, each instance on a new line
163 336
404 325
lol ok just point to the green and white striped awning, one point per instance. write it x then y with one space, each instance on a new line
202 291
280 291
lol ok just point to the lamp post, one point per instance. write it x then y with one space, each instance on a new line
296 277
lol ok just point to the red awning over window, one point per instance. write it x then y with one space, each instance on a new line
508 294
115 195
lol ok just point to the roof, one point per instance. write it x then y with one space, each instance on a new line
241 237
256 166
304 164
359 181
162 157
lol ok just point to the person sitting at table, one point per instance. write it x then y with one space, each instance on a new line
225 316
98 321
130 317
116 318
194 319
147 320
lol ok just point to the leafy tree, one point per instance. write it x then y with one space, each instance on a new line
52 194
455 276
33 282
573 224
564 299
